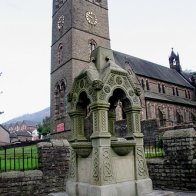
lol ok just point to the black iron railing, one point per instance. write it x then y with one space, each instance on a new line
22 156
153 148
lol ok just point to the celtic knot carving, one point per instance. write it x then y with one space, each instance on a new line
72 165
142 171
107 89
96 165
103 121
111 81
118 80
107 169
137 122
102 96
97 85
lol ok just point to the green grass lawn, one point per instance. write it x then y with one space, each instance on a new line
19 158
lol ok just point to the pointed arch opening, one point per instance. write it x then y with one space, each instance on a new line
117 114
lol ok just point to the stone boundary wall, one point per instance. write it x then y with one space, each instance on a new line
51 176
177 170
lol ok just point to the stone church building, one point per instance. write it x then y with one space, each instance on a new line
81 26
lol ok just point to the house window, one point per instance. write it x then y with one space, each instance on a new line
92 45
147 85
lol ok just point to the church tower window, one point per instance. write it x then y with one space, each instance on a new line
92 45
60 53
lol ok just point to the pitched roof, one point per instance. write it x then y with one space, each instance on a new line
4 128
151 70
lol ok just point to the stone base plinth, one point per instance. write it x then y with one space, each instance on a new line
130 188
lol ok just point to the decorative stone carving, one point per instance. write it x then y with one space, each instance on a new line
107 89
72 165
97 85
131 93
95 165
107 167
119 80
141 163
138 91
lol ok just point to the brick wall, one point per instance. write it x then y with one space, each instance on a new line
177 170
53 165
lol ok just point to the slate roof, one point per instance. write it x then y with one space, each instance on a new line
151 70
167 98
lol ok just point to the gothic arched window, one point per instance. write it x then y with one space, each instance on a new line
177 93
92 45
159 87
60 53
142 82
60 98
163 88
147 85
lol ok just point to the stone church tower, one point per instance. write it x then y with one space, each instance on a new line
78 27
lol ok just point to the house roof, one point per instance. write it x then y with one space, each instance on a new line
30 123
4 128
23 133
151 70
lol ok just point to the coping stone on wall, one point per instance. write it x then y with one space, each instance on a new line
59 143
155 160
44 144
180 133
12 174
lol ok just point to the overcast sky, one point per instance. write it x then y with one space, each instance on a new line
141 28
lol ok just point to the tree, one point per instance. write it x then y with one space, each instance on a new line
44 128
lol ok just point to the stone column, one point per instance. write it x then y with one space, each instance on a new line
77 123
143 182
102 173
111 123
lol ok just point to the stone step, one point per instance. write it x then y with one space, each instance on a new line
154 193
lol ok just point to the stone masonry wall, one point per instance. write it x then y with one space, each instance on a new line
53 165
177 170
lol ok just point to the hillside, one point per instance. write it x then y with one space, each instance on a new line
36 117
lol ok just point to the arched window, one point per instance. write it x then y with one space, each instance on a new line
147 85
142 82
92 45
60 98
159 87
189 95
177 93
163 88
186 94
173 91
60 53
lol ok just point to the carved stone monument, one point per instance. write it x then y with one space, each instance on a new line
104 165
